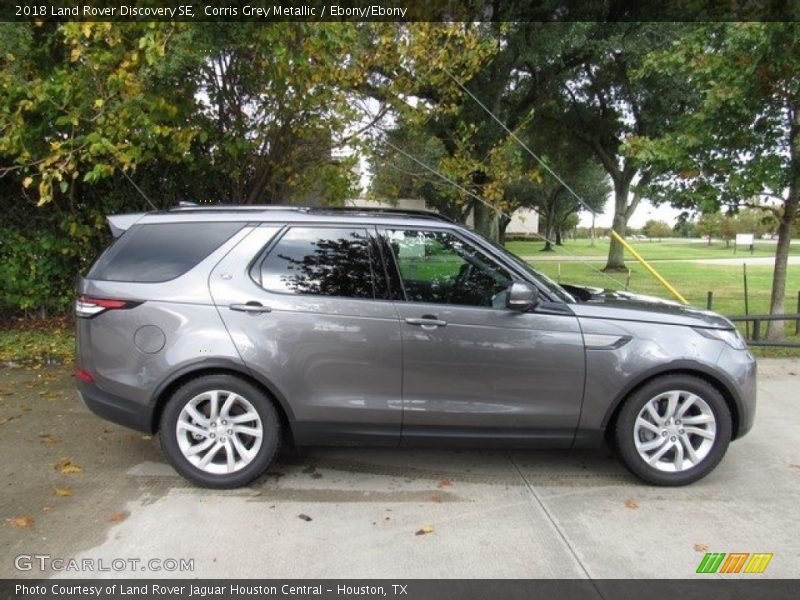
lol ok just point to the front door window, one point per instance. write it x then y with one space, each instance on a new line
438 267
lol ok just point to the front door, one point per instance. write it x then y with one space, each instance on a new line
310 316
472 368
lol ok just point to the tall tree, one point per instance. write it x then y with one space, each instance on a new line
576 165
259 108
581 77
740 143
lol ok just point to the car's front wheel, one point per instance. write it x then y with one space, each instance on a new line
220 431
673 430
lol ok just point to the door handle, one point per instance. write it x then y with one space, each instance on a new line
251 307
427 322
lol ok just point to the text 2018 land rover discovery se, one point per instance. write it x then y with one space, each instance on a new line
225 329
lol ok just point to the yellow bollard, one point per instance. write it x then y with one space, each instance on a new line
647 266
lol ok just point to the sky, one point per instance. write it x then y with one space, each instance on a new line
644 212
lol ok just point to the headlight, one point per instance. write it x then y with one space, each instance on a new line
732 337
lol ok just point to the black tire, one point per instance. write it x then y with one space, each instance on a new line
624 430
263 405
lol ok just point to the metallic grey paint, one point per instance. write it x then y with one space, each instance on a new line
369 371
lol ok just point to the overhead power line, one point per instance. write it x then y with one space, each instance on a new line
494 208
516 138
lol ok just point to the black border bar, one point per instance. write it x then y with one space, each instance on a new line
701 588
266 11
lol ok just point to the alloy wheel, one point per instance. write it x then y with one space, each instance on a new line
675 431
219 432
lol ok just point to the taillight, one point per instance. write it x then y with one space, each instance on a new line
84 375
87 306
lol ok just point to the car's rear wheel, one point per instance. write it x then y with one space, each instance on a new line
220 431
673 430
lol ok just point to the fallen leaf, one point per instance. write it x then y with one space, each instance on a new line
5 420
701 547
425 530
436 498
792 373
444 483
304 517
67 467
21 522
631 504
62 492
795 466
119 516
47 508
46 438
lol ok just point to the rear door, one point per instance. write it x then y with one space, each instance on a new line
472 368
307 309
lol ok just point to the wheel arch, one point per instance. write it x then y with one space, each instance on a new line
725 388
213 367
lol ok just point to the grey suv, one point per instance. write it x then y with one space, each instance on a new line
228 329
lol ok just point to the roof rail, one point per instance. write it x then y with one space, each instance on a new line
351 210
193 207
410 212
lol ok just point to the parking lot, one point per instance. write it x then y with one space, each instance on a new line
74 486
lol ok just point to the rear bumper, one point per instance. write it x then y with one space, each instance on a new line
116 409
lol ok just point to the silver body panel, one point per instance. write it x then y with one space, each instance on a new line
348 371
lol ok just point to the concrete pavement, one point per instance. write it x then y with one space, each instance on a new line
493 514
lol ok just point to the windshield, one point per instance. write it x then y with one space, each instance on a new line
548 283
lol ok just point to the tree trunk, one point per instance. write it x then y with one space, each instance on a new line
616 253
548 223
558 237
502 226
775 329
487 222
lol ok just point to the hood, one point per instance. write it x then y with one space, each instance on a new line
626 306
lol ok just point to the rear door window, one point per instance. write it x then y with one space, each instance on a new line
159 252
321 262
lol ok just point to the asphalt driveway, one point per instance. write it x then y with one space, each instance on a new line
74 486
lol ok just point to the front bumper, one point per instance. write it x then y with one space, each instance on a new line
116 409
740 366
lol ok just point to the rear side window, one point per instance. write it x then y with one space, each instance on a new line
160 251
321 262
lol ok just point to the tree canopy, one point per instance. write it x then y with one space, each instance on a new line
739 144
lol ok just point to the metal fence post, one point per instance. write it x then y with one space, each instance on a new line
746 303
797 321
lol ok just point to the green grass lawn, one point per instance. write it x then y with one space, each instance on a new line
655 250
34 340
693 281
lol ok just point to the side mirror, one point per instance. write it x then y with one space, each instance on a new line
522 296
